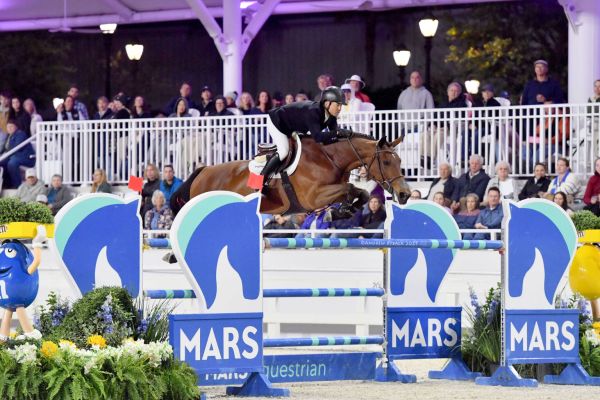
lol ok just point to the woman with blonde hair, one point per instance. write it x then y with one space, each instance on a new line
508 186
100 182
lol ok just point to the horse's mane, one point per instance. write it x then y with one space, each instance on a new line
359 135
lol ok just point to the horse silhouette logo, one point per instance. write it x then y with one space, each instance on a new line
415 275
541 245
216 238
98 238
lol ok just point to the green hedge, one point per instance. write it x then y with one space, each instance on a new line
14 210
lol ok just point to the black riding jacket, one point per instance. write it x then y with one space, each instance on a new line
305 117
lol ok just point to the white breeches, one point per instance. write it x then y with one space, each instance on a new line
280 140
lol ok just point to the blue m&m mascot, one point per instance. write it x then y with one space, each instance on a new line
19 282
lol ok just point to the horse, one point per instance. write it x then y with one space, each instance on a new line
321 178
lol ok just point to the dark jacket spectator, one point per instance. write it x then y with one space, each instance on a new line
185 91
100 183
220 108
475 180
182 109
542 89
58 194
490 217
18 114
68 112
25 156
279 222
592 191
537 184
374 217
152 185
120 104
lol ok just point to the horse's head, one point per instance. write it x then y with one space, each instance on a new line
385 168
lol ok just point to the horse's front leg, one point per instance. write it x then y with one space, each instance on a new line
351 197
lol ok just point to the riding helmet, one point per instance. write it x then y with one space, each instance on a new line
332 93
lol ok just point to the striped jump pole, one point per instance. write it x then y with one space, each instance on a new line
334 243
322 341
276 293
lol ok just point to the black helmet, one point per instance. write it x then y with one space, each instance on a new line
332 93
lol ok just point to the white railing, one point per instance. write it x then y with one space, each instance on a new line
520 135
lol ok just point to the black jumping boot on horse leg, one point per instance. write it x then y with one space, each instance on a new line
270 168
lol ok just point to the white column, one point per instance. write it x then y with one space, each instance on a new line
232 57
584 47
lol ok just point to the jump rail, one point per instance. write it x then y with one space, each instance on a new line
274 293
383 243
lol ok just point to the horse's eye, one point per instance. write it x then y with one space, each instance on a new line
387 163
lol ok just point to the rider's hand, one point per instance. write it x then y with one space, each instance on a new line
330 139
344 133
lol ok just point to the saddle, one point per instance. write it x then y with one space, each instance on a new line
267 150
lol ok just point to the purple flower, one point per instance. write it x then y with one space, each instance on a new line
475 302
143 327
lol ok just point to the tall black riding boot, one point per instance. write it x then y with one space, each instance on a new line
269 168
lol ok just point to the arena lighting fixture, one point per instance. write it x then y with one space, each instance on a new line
472 86
401 57
108 29
134 51
57 101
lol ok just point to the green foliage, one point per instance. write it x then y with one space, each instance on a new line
129 378
67 379
50 315
21 381
153 319
14 210
180 380
590 356
585 219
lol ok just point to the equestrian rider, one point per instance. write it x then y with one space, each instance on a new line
317 119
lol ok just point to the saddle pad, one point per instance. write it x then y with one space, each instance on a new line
257 164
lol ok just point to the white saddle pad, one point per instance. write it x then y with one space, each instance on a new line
257 164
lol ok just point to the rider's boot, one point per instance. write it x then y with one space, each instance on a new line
269 168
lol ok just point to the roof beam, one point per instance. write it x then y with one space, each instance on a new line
210 24
257 22
120 8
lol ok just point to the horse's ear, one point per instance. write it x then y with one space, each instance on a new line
396 142
382 142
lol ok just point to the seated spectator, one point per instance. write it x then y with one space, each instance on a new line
100 182
507 185
264 103
537 185
301 96
565 181
152 185
438 198
279 222
374 218
475 180
592 191
230 99
58 194
491 216
42 199
315 220
29 107
415 195
104 112
290 98
24 157
445 183
181 109
66 111
247 104
207 105
560 198
185 91
357 84
159 216
352 103
29 190
120 110
362 181
18 114
169 183
467 218
220 108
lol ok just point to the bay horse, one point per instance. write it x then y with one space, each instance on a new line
320 179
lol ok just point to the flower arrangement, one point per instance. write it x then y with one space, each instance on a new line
19 219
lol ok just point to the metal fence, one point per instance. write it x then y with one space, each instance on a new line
520 135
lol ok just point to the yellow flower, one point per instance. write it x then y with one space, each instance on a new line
97 340
65 342
49 349
12 335
596 325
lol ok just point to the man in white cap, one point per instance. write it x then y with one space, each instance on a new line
31 188
542 89
357 85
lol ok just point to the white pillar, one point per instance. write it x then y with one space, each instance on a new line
584 47
232 57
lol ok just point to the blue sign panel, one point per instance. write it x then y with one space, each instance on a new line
542 336
423 332
218 342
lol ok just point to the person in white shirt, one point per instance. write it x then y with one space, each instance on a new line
509 188
352 103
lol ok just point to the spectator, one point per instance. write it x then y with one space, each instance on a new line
445 183
487 94
565 181
475 180
181 110
24 157
279 222
4 109
185 91
301 96
100 182
592 191
596 96
139 108
29 190
438 197
159 216
247 104
29 107
560 198
416 96
120 110
374 218
507 185
357 85
466 219
362 181
537 185
230 99
415 195
456 98
263 102
66 111
42 199
323 82
18 114
152 184
315 220
277 100
169 183
290 98
103 111
58 194
352 103
220 108
542 89
79 106
491 216
207 105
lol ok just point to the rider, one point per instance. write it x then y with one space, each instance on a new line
318 119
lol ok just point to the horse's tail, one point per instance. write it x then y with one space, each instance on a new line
182 195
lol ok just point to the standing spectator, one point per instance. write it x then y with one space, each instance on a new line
169 183
536 185
592 191
100 182
357 85
352 103
375 216
58 194
185 91
560 198
25 156
220 108
263 102
120 110
18 114
4 109
181 109
466 219
323 82
103 111
491 216
159 216
139 108
152 184
565 181
445 183
542 89
29 107
290 98
487 94
247 104
207 105
279 222
475 180
66 111
416 96
29 190
79 106
507 185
